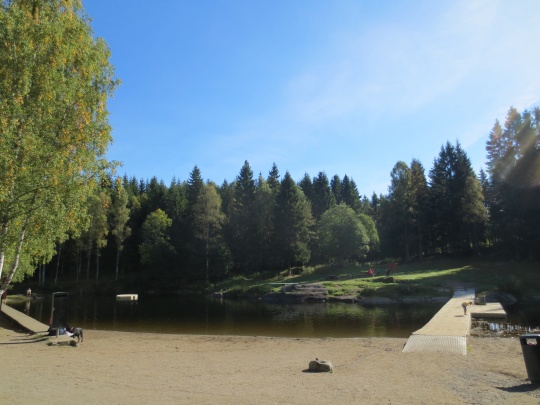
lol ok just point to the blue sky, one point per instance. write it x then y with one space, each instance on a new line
343 86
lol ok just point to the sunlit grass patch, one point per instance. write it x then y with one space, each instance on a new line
431 278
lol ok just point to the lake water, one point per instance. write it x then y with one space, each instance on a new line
209 316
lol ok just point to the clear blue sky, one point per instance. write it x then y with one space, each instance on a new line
342 86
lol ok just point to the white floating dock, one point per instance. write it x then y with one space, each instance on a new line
127 297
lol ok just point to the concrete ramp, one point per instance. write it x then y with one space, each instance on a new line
447 331
438 344
24 320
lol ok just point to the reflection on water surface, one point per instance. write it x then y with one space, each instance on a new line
201 315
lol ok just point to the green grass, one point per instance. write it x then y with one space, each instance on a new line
431 277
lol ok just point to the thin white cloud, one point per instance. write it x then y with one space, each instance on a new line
401 68
472 56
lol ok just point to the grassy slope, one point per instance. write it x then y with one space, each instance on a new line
432 277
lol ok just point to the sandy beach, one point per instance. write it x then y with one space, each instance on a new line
138 368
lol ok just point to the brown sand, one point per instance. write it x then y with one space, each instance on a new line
140 368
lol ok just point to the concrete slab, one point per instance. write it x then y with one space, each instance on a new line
444 344
447 331
489 310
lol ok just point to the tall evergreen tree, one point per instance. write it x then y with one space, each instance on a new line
419 208
195 185
335 186
449 179
322 199
365 206
155 195
401 199
263 214
242 225
293 224
226 191
514 168
273 178
306 185
349 193
176 200
177 208
375 205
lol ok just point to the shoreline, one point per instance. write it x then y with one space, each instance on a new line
132 367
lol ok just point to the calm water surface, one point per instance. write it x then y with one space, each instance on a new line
202 315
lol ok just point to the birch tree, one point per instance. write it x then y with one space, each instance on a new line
119 219
208 220
55 80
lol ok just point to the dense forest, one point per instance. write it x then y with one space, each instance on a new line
194 232
65 213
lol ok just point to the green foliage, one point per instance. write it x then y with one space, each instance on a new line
512 189
367 292
349 193
207 222
342 234
251 226
119 217
430 278
55 82
510 284
456 201
293 224
242 221
322 199
155 250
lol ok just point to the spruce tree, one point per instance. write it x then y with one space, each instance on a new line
349 193
401 199
294 224
514 169
322 199
306 185
451 179
335 186
242 225
273 178
419 205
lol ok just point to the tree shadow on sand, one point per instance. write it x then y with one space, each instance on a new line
22 341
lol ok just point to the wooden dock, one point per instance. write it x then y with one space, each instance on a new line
448 330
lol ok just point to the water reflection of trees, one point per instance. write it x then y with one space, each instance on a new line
200 315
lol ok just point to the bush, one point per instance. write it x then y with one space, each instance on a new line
407 289
367 292
511 285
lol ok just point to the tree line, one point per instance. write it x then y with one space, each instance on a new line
64 213
196 231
